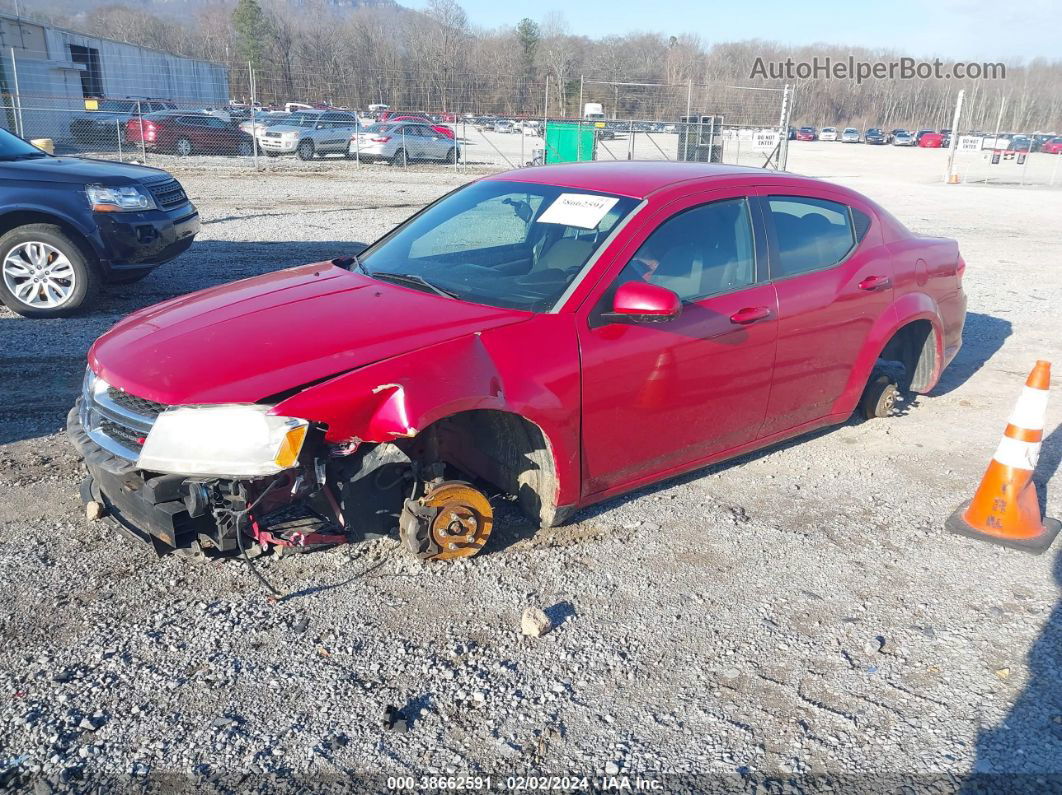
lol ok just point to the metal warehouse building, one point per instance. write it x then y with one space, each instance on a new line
48 73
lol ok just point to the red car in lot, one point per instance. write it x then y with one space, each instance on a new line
188 134
807 134
1052 147
931 140
562 334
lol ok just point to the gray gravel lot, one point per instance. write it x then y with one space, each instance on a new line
797 611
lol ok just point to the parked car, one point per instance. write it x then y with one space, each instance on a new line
403 142
187 134
441 129
828 134
807 134
68 225
104 126
263 120
1052 146
903 138
851 136
875 136
897 131
396 385
922 133
931 140
309 133
504 126
1020 143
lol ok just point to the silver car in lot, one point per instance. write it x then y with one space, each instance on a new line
851 136
404 142
309 133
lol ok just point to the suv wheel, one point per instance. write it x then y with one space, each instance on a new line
44 272
305 150
451 156
399 158
245 149
184 147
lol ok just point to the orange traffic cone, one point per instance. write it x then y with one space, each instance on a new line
1005 509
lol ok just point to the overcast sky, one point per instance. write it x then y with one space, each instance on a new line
1009 30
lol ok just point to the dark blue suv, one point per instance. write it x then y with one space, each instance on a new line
69 224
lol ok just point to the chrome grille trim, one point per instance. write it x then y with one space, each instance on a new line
100 412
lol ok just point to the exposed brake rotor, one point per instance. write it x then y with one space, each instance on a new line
452 520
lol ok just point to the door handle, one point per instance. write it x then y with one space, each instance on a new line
750 314
875 283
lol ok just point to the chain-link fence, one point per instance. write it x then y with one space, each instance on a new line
465 123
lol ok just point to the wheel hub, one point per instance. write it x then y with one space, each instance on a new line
453 520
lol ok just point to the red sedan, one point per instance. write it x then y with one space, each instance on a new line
931 140
563 334
187 134
1052 147
807 134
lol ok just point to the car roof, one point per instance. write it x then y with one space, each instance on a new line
634 178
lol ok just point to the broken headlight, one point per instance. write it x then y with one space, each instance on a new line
237 441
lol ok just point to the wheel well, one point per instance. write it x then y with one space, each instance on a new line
914 346
504 449
12 220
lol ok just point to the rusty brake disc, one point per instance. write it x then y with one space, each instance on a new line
453 520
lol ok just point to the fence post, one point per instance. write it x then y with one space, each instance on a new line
580 99
954 145
254 117
783 129
689 98
118 135
630 140
457 159
140 118
18 96
405 152
545 107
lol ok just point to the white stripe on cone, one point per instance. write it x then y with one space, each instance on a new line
1031 409
1016 453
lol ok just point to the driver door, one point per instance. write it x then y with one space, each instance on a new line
659 397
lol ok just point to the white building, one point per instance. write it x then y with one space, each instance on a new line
48 73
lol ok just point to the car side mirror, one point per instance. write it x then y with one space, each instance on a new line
641 302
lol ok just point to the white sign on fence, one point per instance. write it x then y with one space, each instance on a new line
969 143
765 140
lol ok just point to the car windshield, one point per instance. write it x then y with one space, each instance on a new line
14 148
507 244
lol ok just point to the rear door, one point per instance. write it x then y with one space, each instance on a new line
833 277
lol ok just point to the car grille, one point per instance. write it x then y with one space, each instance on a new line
272 135
115 420
168 194
137 405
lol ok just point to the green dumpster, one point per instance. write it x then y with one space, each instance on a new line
569 142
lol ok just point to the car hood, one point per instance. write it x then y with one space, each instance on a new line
79 170
289 128
253 339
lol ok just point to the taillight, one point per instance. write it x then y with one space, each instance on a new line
383 140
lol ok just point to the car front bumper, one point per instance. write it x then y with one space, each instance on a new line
133 240
278 145
149 509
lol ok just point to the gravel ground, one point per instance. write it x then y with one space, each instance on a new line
797 611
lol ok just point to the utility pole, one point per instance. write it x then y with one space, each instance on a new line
581 95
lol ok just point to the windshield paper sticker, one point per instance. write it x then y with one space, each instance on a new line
583 210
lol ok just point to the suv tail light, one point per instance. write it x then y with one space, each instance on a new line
382 140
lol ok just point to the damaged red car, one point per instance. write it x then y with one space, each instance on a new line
560 334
